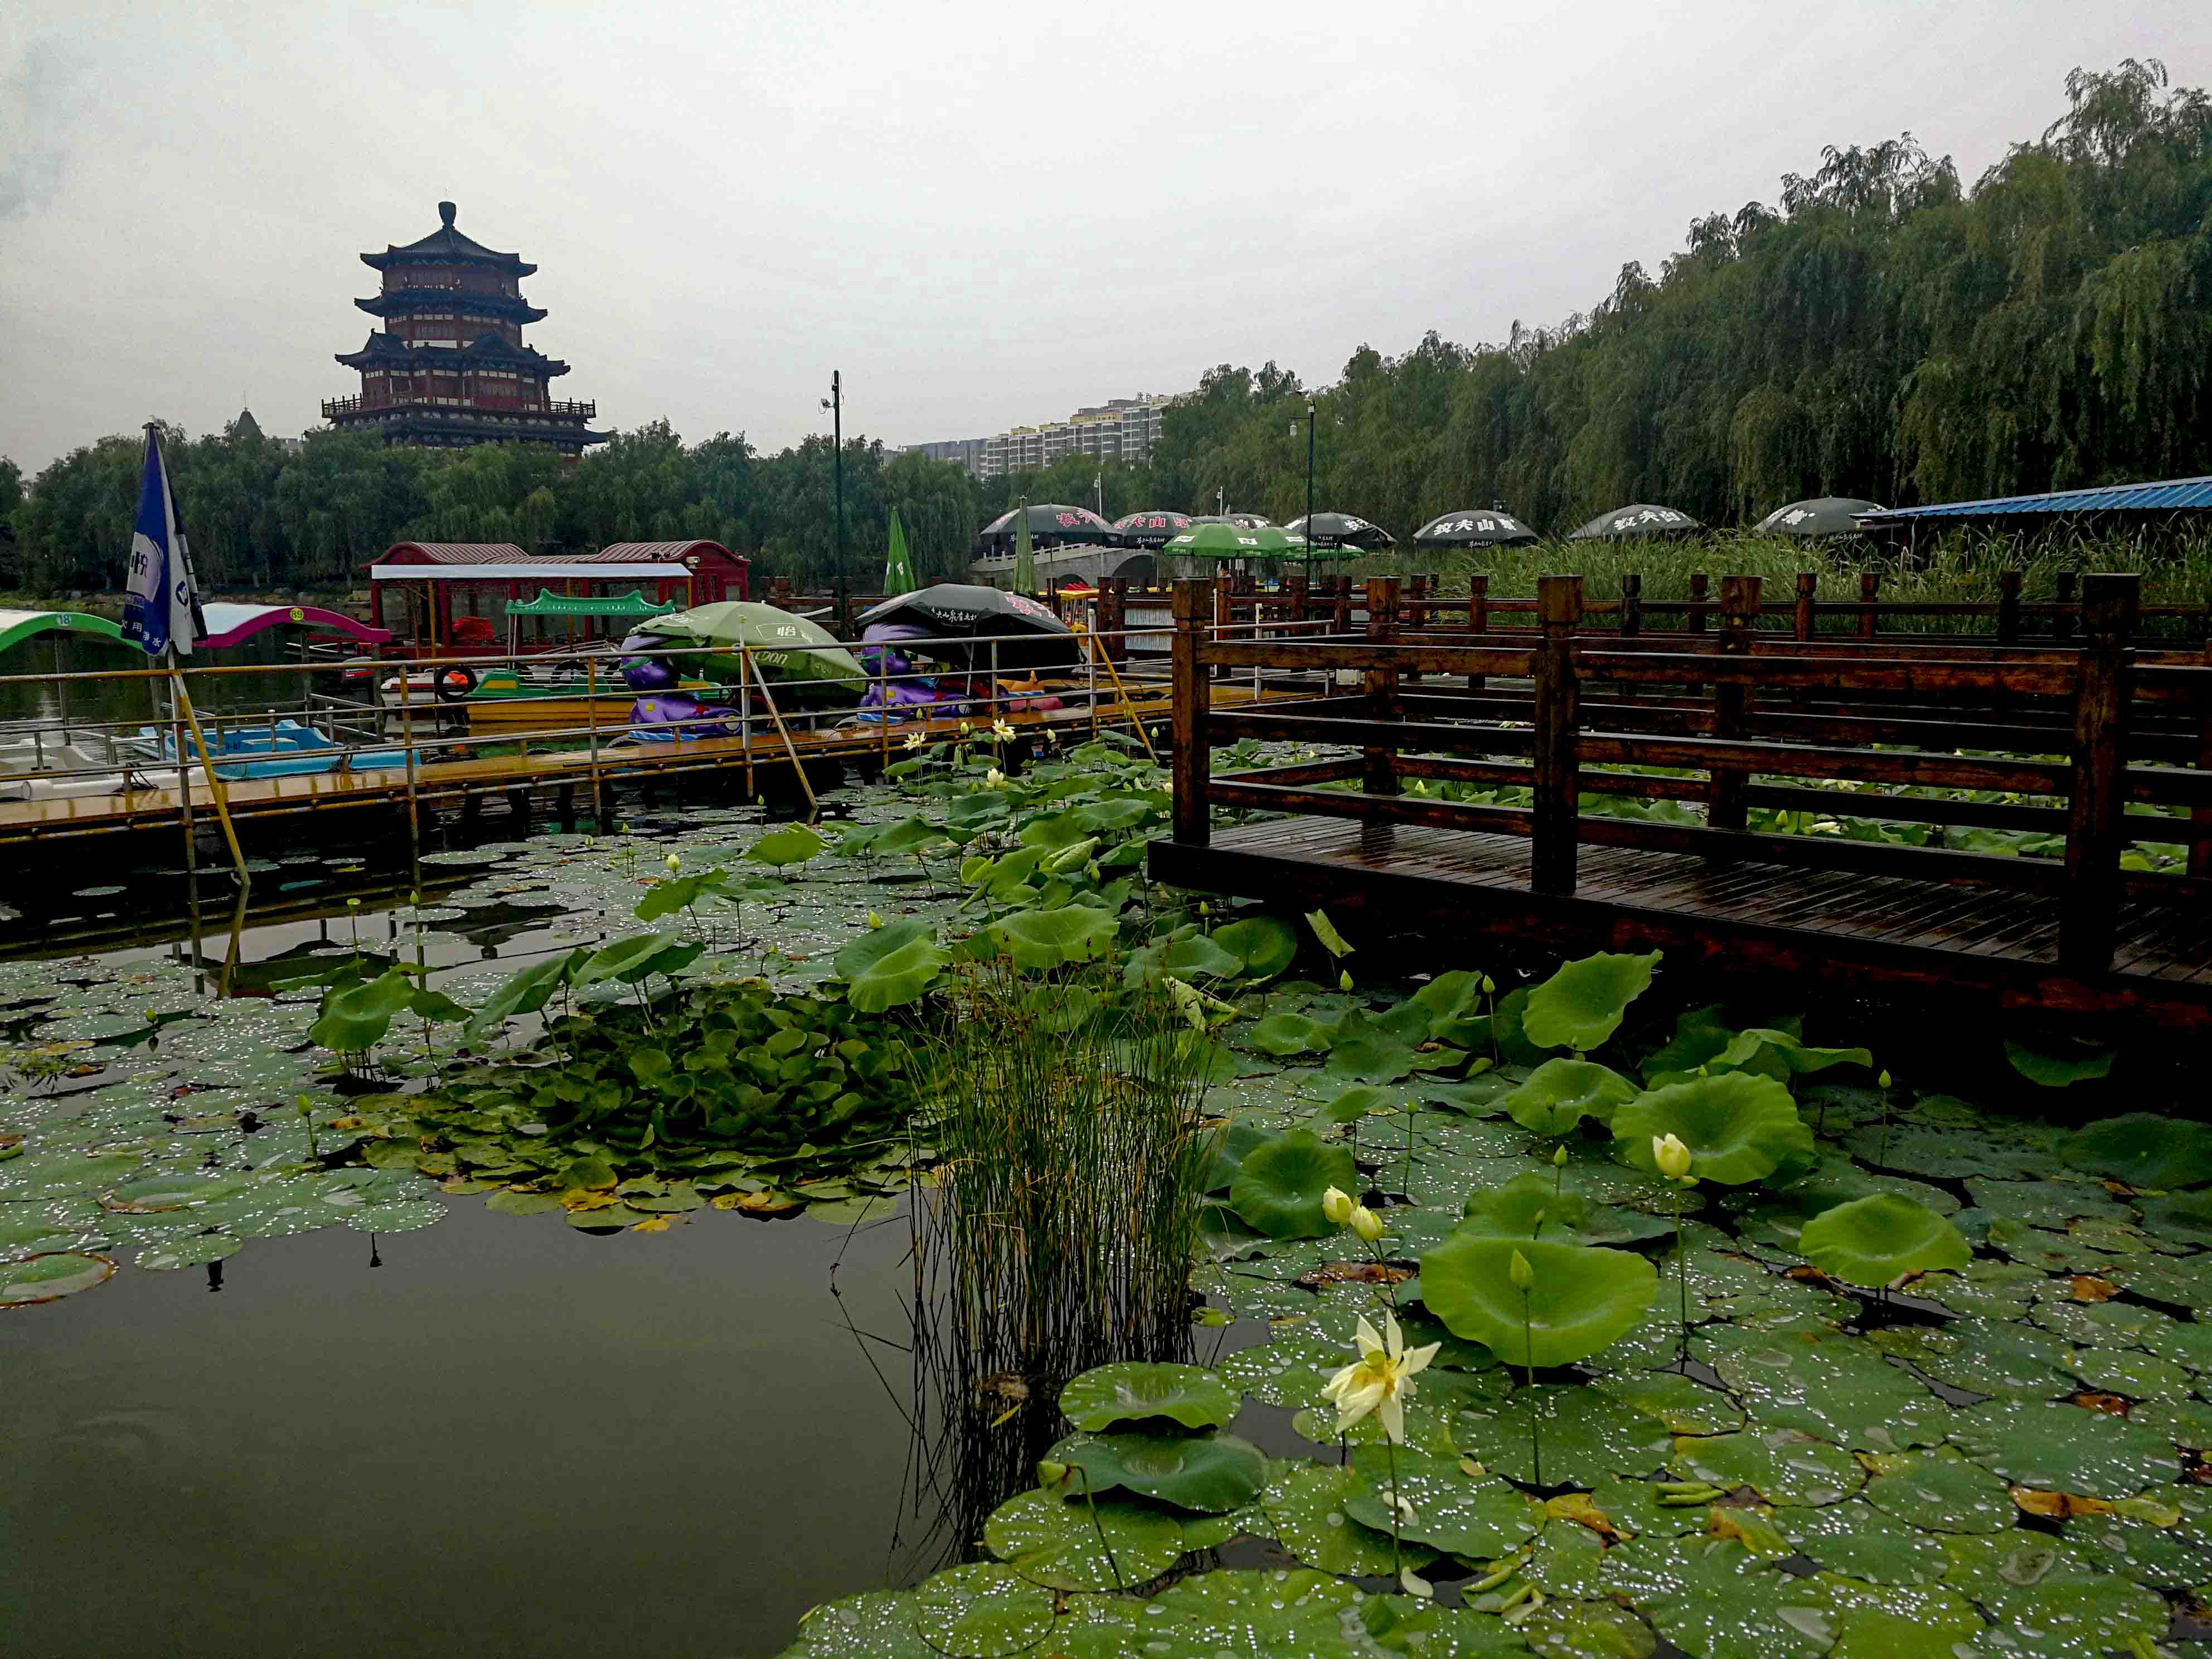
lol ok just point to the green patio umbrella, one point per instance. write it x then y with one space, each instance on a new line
787 647
898 569
1025 555
1229 541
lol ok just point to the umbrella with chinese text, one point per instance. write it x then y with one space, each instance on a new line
1342 531
1229 541
955 615
1152 527
1475 526
1637 519
1051 525
1825 515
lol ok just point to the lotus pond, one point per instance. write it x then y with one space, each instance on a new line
528 1269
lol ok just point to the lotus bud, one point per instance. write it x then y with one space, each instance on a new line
1522 1275
874 922
1051 1474
674 861
1883 1080
1489 986
1366 1224
1344 980
1336 1205
1671 1155
306 1106
1559 1157
1203 908
353 904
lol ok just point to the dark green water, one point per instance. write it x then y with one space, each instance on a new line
508 1437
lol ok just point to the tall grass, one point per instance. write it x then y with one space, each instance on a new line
1962 567
1072 1160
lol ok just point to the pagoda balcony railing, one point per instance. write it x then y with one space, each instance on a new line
568 407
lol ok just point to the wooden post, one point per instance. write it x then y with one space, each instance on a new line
2008 607
1379 766
1727 804
1800 614
1194 610
1551 855
1632 604
1343 605
1869 593
2062 625
1295 587
779 593
1478 616
2097 793
2200 817
1225 611
1695 621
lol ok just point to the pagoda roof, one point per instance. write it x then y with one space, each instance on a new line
404 301
447 243
487 351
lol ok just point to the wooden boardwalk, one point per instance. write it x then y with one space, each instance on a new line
1830 926
569 772
1453 787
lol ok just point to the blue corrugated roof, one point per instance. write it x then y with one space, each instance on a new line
2119 498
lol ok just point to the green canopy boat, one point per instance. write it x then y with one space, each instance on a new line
785 647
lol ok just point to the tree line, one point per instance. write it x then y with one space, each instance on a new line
1883 330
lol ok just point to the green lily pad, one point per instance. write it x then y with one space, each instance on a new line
1581 1436
1052 939
1710 1596
1740 1128
1053 1541
1212 1472
2056 1604
794 843
1862 1541
983 1612
1879 1239
1783 1465
1582 1298
1263 945
1582 1003
1823 1382
1285 1034
1132 1391
194 1250
2065 1448
890 966
1280 1186
1305 1504
1258 1614
2057 1071
1560 1093
2144 1149
49 1277
1479 1518
1561 1629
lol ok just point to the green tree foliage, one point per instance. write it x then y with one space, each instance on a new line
1882 331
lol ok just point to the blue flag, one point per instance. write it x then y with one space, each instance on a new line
162 608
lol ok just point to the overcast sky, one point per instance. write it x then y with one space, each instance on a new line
983 214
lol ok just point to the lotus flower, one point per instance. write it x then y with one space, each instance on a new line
1380 1381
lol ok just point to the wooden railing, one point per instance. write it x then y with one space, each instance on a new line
2064 735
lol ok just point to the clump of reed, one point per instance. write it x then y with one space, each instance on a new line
1072 1157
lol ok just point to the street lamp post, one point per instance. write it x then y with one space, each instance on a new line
834 403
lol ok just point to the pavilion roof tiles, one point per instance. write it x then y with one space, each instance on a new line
446 243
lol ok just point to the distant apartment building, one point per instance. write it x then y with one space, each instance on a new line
1121 429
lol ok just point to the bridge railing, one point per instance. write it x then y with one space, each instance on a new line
1565 731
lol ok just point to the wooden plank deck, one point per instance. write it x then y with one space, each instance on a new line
1848 930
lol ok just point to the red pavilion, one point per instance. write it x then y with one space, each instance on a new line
449 367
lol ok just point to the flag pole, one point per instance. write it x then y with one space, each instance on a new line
207 766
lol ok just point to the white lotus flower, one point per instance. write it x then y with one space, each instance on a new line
1380 1381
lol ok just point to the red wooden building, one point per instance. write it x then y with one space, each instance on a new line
454 595
449 369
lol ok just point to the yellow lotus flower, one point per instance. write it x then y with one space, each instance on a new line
674 861
1672 1156
1336 1205
1366 1223
995 779
1002 731
1381 1382
916 741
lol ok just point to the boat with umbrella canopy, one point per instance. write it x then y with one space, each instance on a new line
1635 521
1153 527
785 647
956 622
1824 515
1343 534
1475 526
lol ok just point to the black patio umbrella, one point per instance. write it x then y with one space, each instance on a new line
1152 527
1052 523
1824 515
1475 526
1242 520
955 615
1342 530
1637 519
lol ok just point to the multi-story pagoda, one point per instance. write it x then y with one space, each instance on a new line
449 367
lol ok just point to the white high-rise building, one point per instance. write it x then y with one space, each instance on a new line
1121 429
